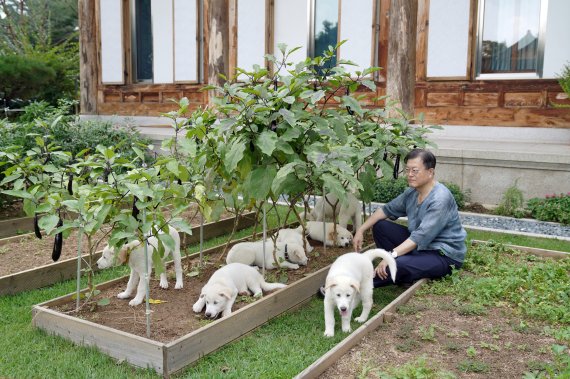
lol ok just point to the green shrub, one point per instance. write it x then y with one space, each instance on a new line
460 196
23 78
512 202
555 208
386 189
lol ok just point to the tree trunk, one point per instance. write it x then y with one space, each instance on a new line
218 42
401 70
88 62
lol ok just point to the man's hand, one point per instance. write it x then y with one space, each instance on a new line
381 269
357 240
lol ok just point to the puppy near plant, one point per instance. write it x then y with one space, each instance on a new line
133 254
349 281
341 238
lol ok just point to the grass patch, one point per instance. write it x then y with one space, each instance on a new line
473 365
519 240
419 368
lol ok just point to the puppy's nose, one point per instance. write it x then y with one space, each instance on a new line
343 309
208 314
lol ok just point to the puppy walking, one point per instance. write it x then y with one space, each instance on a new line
350 280
133 254
220 293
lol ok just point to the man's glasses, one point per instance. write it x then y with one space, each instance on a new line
412 171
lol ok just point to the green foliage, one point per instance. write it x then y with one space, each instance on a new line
512 202
536 287
460 196
555 208
564 81
472 365
387 188
22 78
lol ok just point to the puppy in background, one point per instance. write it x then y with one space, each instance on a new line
220 293
347 211
350 280
314 229
133 254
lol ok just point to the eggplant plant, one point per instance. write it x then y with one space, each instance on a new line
291 131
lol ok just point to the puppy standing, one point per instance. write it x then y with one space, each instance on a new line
220 293
349 210
349 280
314 229
133 254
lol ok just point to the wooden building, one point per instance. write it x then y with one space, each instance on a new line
486 70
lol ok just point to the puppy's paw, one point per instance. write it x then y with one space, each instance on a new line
197 308
329 333
164 284
179 285
347 329
124 295
360 319
135 302
294 266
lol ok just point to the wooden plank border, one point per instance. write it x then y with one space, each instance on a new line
321 364
67 269
9 228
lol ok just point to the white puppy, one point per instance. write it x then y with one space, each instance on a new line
349 210
294 235
220 293
349 280
133 254
314 229
289 255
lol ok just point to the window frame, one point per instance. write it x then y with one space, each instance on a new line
514 75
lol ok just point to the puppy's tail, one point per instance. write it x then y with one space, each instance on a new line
381 253
271 286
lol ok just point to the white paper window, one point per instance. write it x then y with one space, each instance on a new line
111 13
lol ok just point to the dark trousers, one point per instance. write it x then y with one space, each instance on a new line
416 264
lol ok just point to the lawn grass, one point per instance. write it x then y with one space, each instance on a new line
519 240
280 348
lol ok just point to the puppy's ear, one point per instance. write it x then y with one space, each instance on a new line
227 294
354 284
330 284
123 255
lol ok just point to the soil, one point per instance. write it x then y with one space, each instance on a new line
28 252
476 208
173 317
496 344
13 210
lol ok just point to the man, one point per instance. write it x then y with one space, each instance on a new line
434 240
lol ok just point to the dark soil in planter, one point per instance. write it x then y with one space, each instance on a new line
476 208
30 252
13 210
173 317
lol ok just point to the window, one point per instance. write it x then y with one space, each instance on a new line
325 30
510 38
141 44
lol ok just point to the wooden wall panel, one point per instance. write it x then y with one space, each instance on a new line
474 99
436 99
523 100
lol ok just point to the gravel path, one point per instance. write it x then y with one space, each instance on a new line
507 224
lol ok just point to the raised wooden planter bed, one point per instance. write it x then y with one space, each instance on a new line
67 269
167 358
15 226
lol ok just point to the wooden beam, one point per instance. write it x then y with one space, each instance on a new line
218 41
401 75
88 59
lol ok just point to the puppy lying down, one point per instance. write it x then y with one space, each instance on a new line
220 293
350 280
289 255
314 229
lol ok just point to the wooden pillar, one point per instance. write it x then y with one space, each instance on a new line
88 62
217 39
401 68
